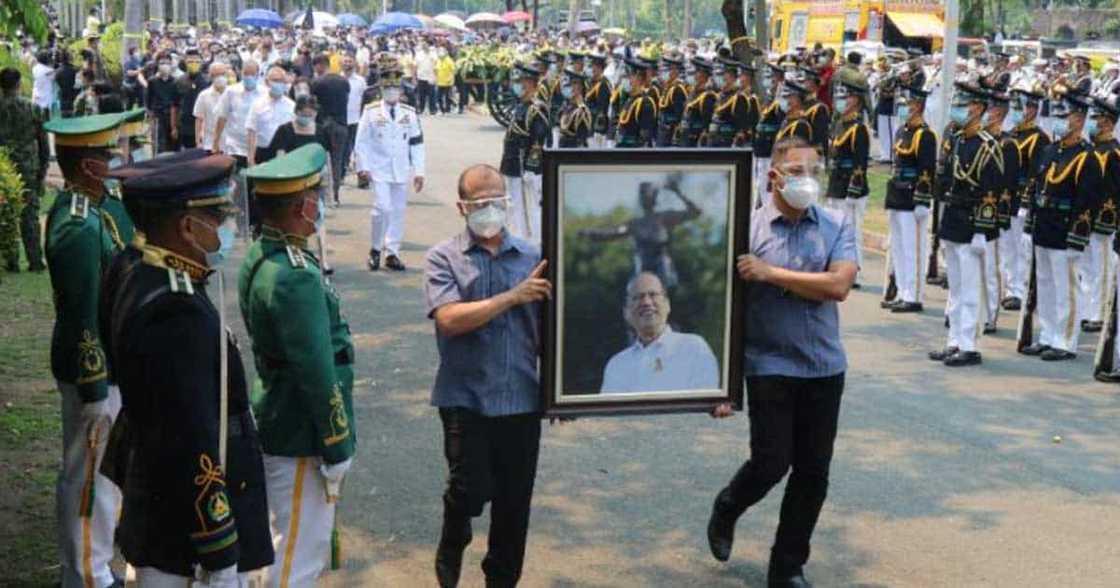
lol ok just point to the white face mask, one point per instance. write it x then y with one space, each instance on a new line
220 82
487 221
801 192
392 95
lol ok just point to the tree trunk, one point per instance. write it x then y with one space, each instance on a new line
734 18
686 21
133 26
536 11
573 18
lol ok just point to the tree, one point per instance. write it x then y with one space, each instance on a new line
686 20
736 22
23 15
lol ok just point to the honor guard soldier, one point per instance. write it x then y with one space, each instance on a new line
674 98
637 122
816 112
968 224
1030 141
794 123
304 360
131 132
1106 366
1061 224
548 89
29 150
769 124
577 61
389 150
598 100
575 118
195 505
1083 76
731 120
522 149
620 97
81 241
700 106
909 199
848 155
754 104
653 81
1095 266
1008 157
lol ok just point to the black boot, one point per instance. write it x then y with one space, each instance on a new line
374 261
721 529
453 540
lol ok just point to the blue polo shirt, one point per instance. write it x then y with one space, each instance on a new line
493 370
787 335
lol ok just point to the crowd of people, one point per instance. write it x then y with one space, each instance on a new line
1017 196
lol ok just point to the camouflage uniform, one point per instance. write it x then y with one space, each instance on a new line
27 146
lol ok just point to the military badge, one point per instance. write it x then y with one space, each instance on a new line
91 359
218 507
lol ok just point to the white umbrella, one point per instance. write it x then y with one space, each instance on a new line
322 20
484 19
451 21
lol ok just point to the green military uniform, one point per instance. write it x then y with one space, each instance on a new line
27 146
132 131
81 242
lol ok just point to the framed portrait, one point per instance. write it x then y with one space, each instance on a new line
647 311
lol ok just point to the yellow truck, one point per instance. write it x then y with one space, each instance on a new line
833 23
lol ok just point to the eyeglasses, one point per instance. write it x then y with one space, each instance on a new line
797 169
637 297
499 202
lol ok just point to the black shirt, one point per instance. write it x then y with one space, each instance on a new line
332 91
287 140
189 88
66 78
162 94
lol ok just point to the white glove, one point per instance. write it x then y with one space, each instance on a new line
978 244
223 578
332 477
921 212
93 411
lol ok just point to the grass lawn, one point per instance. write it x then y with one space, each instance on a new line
875 220
30 431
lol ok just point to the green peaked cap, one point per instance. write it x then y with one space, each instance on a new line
290 173
98 130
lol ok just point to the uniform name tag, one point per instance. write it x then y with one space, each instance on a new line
79 206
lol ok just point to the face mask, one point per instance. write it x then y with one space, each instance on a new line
1091 128
904 112
304 120
783 104
487 222
115 163
194 68
626 85
552 70
691 79
226 236
220 82
664 76
801 191
392 95
302 91
250 83
1061 127
1015 117
566 91
277 89
841 104
164 68
518 89
959 114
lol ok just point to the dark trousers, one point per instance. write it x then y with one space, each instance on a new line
443 98
464 91
338 136
793 427
492 459
351 135
425 97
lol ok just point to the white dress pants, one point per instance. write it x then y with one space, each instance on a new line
853 210
155 578
1056 274
386 218
301 517
86 503
1094 271
1109 287
516 222
760 181
965 293
531 191
887 126
908 252
1014 253
992 281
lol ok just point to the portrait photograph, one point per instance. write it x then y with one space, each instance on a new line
642 247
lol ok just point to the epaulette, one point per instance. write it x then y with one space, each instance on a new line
179 281
406 106
295 257
79 206
372 104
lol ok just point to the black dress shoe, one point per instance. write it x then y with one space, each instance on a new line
721 532
908 307
1011 303
454 539
394 263
888 304
797 580
1107 377
1091 326
963 358
946 321
989 328
856 286
1053 354
942 354
374 260
1035 349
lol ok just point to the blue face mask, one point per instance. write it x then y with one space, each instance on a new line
321 218
959 114
691 79
783 104
566 91
1015 117
841 104
518 89
277 89
904 112
1091 128
250 83
626 85
305 120
226 237
1060 128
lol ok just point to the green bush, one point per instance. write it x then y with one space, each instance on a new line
11 59
112 41
11 204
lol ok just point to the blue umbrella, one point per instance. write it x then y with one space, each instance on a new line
259 17
380 29
351 20
393 21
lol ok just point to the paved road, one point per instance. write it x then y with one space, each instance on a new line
941 478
